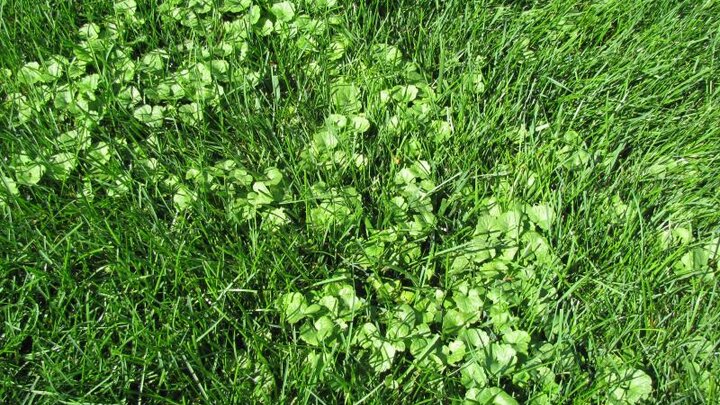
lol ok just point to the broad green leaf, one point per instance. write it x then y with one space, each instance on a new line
346 97
89 84
469 303
336 49
151 116
331 303
442 130
387 54
183 198
336 121
89 31
694 260
360 124
454 320
265 27
236 6
542 215
490 396
454 351
293 306
125 6
324 327
241 176
274 219
62 164
200 74
31 73
100 154
475 338
154 60
7 187
323 3
405 94
129 96
283 11
219 67
253 15
500 358
519 340
382 356
630 387
190 114
200 6
350 300
472 375
263 196
56 66
28 171
365 335
73 140
273 175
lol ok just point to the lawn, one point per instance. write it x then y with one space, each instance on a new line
334 201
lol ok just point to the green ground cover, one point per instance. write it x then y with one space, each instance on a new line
328 201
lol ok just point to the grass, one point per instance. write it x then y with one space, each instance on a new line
116 288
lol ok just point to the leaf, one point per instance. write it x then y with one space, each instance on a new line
125 6
190 114
236 6
518 339
283 11
129 96
100 154
325 140
490 396
387 54
31 73
454 352
183 198
62 164
219 67
630 387
350 300
694 260
324 327
542 215
475 338
405 94
473 375
469 303
345 97
367 333
453 321
273 175
154 60
293 306
89 31
7 187
500 358
323 3
274 219
152 116
442 130
381 358
265 28
56 66
360 124
336 50
242 177
263 196
253 14
28 171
